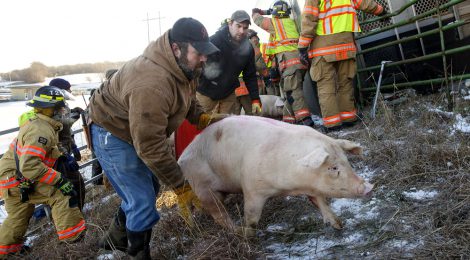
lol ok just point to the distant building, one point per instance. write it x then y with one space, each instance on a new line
23 91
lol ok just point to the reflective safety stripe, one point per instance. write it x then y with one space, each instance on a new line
348 115
308 9
49 176
289 63
340 50
356 3
10 183
379 10
73 231
8 249
29 149
288 119
304 41
34 151
331 120
241 90
302 113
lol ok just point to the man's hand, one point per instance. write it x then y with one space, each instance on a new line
76 112
206 119
76 153
256 107
186 200
256 11
303 55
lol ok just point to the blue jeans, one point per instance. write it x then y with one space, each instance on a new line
133 181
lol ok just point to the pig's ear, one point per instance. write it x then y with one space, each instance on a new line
314 159
349 146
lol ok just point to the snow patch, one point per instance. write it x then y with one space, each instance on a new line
462 124
420 194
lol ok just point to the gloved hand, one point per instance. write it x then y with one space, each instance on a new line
66 187
76 112
186 199
274 73
76 153
303 55
256 107
206 119
71 164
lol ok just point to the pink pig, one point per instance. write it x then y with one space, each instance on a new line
262 158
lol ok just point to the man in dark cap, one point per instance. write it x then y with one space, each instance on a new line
216 91
133 115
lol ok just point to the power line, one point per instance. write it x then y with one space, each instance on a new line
159 18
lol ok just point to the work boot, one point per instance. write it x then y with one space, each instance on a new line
307 121
327 130
116 236
139 244
349 124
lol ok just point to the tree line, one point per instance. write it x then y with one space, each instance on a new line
37 71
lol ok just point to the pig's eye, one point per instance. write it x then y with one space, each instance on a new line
333 169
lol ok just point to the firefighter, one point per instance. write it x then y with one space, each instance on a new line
271 81
67 143
327 38
28 177
243 98
283 42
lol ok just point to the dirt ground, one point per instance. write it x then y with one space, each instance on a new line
415 153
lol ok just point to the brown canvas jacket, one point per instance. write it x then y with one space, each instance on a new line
144 103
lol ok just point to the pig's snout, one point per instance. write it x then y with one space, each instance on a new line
365 189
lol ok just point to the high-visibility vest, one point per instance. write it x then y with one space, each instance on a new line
286 37
337 16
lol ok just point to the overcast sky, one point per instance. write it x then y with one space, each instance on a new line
62 32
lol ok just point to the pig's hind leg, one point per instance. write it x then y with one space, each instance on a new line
327 214
212 202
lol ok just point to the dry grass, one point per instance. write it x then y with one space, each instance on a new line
408 147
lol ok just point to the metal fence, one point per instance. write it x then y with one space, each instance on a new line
404 37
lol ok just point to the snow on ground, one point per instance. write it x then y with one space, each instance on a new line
462 124
420 194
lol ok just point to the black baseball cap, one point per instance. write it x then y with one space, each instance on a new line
191 30
240 16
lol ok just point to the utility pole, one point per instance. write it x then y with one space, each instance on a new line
159 18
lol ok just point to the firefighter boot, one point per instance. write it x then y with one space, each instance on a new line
116 236
139 244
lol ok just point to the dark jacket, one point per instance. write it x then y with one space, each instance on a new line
231 60
144 103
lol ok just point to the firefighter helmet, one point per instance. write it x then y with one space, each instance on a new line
281 9
47 97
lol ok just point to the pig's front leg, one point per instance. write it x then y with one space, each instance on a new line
328 215
253 207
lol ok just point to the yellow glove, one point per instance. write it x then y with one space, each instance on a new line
207 119
185 199
256 107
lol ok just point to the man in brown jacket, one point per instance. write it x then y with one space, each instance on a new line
133 115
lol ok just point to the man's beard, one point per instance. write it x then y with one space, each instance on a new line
183 64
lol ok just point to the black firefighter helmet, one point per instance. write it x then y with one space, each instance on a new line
281 9
47 97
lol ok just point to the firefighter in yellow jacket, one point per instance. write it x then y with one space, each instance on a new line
327 36
283 42
28 177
